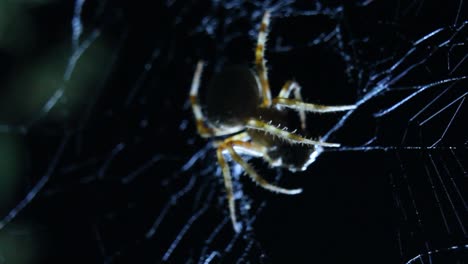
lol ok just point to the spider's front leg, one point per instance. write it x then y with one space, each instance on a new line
299 105
260 63
286 90
282 133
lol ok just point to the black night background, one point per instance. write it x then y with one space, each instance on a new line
100 161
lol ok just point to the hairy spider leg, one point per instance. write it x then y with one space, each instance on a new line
251 171
242 136
260 63
229 145
227 175
202 129
228 185
299 105
284 134
288 87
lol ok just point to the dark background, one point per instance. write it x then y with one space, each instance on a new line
92 174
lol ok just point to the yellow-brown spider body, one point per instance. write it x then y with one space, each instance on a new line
240 108
233 98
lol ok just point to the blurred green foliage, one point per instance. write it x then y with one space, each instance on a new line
11 153
16 27
40 54
19 246
34 58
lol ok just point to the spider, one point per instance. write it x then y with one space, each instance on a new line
240 109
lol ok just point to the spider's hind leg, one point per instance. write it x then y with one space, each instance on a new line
251 171
229 145
202 128
228 185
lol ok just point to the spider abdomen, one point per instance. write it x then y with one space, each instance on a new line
232 97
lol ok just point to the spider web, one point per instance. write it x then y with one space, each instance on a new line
101 162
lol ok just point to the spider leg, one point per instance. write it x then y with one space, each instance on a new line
227 175
251 171
229 145
202 129
228 185
288 87
314 108
286 135
260 59
243 136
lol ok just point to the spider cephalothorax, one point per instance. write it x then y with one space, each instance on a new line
239 107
